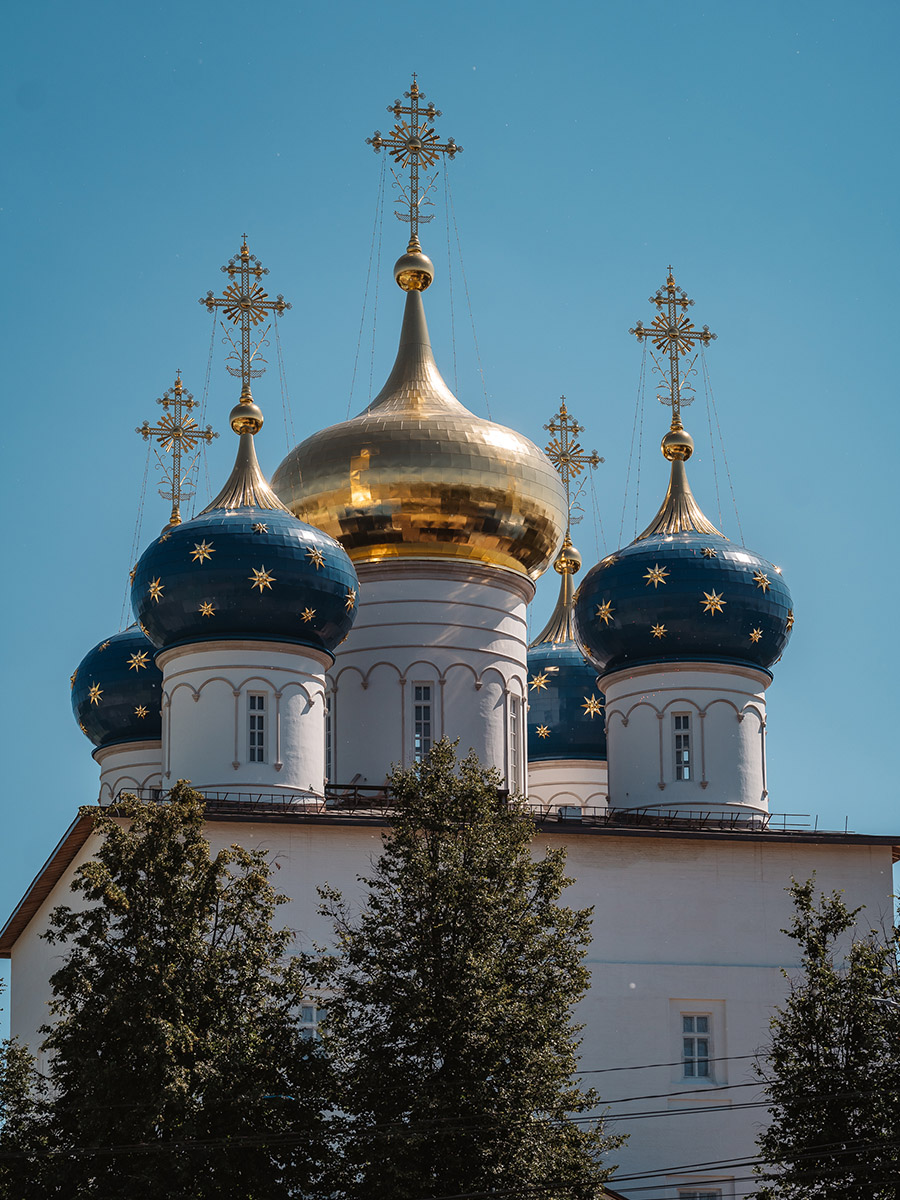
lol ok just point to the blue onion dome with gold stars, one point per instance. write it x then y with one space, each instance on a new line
245 568
418 475
116 691
566 714
682 591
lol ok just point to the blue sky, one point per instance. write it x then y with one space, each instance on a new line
752 146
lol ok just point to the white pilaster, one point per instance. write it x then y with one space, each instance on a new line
457 628
726 709
207 708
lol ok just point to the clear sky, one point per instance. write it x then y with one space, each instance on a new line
751 146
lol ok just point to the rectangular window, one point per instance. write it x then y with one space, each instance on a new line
693 1194
695 1046
421 720
311 1015
257 712
682 733
329 765
515 738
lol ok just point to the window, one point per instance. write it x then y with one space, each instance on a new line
257 710
682 729
695 1046
421 720
311 1015
515 738
329 765
706 1194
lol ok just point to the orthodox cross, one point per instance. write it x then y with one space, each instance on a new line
673 332
413 144
177 432
566 452
245 303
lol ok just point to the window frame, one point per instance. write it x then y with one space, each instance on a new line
682 747
422 742
257 730
696 1035
515 743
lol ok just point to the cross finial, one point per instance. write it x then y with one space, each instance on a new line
671 331
412 145
177 433
567 454
245 303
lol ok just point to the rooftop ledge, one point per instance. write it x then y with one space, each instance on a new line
361 804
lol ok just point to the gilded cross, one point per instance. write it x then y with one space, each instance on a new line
673 332
246 303
412 144
566 452
177 433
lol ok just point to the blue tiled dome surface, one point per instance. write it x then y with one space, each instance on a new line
113 684
240 544
559 706
748 604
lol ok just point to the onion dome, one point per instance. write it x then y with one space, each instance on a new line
565 707
682 591
245 567
116 690
416 474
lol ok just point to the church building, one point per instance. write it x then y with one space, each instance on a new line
301 635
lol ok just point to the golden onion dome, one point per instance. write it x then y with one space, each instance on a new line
417 475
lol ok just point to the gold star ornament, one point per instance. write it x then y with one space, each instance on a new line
538 682
713 602
708 552
308 614
790 620
605 611
349 599
73 677
103 645
659 631
139 661
141 711
592 706
315 556
206 609
755 635
202 550
656 575
543 731
96 691
260 527
761 581
156 590
261 579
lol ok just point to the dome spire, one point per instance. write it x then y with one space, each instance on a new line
570 458
672 332
246 304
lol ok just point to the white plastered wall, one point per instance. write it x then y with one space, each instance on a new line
681 924
727 709
565 782
132 766
206 716
456 627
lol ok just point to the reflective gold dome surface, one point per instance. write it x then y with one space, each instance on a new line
416 474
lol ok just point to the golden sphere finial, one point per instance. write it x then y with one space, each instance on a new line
677 443
414 270
568 561
246 416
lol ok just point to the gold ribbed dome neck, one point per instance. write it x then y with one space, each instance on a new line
246 486
561 626
679 512
415 385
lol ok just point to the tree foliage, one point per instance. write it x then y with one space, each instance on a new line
175 1047
833 1066
451 1024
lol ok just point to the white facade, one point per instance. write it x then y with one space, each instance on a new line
568 782
685 924
437 648
128 767
714 759
244 715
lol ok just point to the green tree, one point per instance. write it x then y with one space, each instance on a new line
451 1024
832 1070
176 1063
